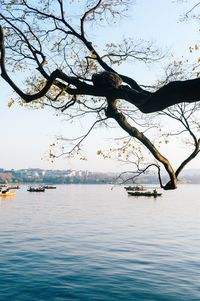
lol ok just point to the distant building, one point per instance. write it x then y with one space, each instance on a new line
5 178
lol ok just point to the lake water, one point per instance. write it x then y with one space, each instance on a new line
88 242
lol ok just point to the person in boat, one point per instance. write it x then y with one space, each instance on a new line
154 191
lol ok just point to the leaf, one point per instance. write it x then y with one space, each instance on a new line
10 103
92 55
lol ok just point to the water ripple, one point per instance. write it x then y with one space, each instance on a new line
91 243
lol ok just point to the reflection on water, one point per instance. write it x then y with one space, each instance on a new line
93 243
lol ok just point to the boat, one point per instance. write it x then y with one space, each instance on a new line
3 185
135 188
6 192
14 187
49 187
36 189
153 193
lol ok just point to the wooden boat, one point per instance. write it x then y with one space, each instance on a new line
5 193
3 185
135 188
49 187
14 187
36 189
153 193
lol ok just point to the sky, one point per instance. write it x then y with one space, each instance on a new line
27 134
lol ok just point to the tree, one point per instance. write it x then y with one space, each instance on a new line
71 74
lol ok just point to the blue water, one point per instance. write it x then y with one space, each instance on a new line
93 243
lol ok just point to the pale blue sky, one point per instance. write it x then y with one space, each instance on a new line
26 134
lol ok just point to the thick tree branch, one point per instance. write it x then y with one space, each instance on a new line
133 132
171 94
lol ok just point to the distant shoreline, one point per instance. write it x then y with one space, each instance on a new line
57 177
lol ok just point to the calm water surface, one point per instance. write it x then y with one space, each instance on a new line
93 243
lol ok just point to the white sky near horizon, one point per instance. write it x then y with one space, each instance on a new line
26 134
